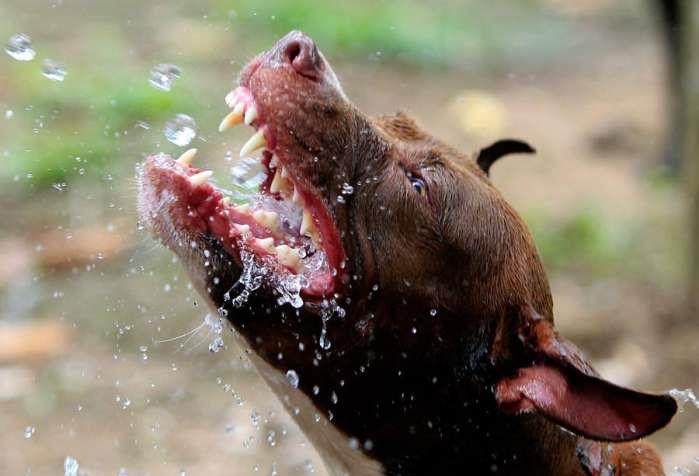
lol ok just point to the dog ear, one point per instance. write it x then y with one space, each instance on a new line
488 155
560 385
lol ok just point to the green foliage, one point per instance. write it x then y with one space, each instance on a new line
583 241
83 117
589 243
415 33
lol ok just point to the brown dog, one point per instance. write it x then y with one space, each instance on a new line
382 283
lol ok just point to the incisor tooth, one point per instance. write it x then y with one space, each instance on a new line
250 114
269 219
289 257
243 229
226 201
257 141
285 174
274 162
233 118
200 178
187 157
266 244
244 208
232 98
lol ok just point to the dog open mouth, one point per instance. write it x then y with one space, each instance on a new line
284 229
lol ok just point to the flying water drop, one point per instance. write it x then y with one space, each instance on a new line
180 130
70 466
293 378
19 46
53 70
163 75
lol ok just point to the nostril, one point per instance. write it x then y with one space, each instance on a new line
301 53
292 51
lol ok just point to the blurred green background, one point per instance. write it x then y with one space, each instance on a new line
86 298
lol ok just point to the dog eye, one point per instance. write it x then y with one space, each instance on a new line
418 184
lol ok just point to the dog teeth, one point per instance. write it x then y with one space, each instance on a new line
274 162
296 197
250 115
232 98
257 141
226 201
289 257
243 229
233 118
187 157
244 208
308 226
266 244
268 219
280 184
276 184
200 178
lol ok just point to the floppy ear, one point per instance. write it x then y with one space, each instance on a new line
487 156
560 385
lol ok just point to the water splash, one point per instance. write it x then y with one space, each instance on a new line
181 130
19 46
163 75
329 308
684 397
255 273
216 326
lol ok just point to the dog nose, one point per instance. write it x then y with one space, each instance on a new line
302 54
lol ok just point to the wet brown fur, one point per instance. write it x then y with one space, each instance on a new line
445 295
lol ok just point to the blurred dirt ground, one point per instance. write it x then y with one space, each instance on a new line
106 391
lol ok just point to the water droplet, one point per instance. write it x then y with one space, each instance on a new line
293 378
163 75
53 70
70 466
29 432
272 438
180 130
433 312
9 114
19 46
347 189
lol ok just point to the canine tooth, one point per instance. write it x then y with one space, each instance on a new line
308 228
243 229
296 198
266 244
233 118
289 257
187 157
200 178
244 208
250 115
269 219
257 141
277 182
